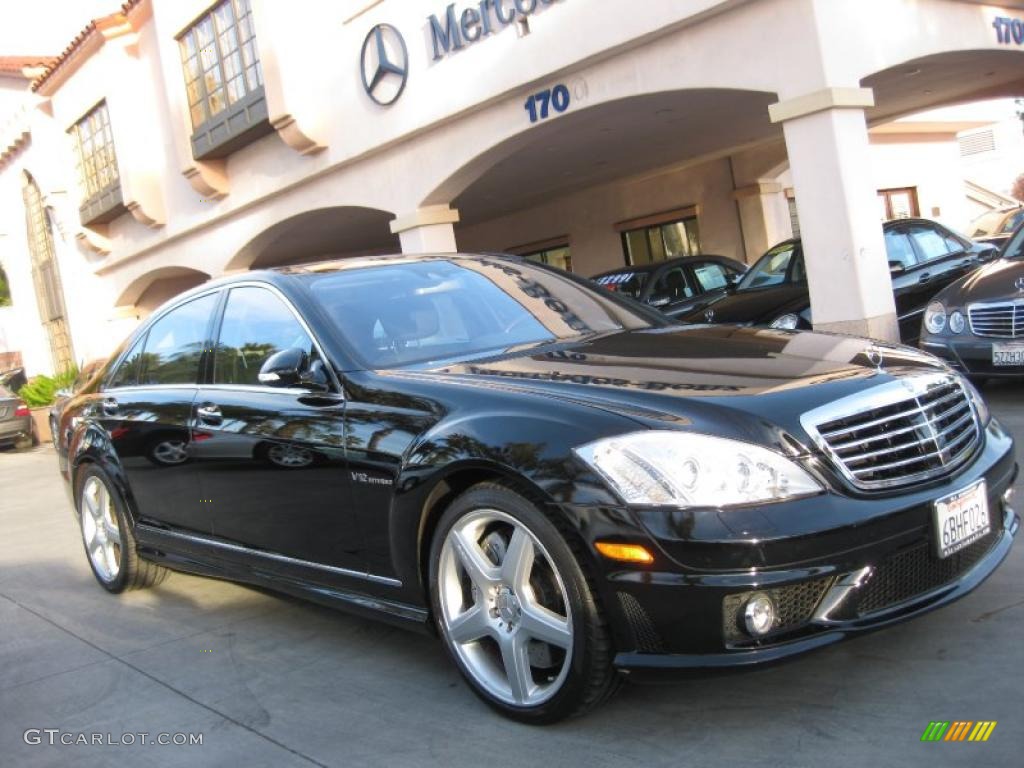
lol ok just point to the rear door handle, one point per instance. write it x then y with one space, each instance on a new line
209 414
924 278
110 406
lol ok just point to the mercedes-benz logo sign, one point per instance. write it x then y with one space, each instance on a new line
875 357
1020 284
385 64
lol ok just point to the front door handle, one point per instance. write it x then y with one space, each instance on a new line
110 406
209 414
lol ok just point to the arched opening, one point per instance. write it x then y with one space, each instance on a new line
583 179
942 79
318 235
149 291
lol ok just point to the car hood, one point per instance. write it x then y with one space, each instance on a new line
757 306
754 383
996 280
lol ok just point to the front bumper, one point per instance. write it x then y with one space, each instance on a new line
680 613
970 354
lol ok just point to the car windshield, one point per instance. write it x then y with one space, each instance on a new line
1012 221
1014 249
774 269
407 312
629 283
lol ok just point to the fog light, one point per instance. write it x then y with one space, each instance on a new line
759 615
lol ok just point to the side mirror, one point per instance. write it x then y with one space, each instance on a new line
284 368
896 268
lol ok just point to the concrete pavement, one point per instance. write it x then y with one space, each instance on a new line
270 681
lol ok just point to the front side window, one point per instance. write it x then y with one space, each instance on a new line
256 325
175 344
930 242
662 241
899 250
223 79
711 276
409 312
671 286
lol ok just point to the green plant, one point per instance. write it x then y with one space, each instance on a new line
41 391
5 290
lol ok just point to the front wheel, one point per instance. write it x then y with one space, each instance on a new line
516 610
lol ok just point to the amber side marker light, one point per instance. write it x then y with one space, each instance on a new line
624 553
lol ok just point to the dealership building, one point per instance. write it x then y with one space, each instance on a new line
178 140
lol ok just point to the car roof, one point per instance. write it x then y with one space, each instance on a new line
655 265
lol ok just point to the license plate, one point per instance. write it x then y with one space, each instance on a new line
961 519
1011 354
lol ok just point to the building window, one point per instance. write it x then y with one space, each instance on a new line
660 237
555 256
794 215
223 80
97 167
898 203
46 276
977 143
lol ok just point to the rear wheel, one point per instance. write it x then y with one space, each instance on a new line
107 536
516 610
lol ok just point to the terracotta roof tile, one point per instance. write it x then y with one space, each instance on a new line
79 40
14 65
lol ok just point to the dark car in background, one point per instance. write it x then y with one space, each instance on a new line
563 484
16 425
977 323
924 257
676 286
995 227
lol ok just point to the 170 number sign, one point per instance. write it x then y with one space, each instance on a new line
539 105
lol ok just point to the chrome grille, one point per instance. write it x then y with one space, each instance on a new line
997 319
900 433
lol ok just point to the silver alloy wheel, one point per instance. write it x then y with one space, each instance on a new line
100 530
171 452
492 615
290 456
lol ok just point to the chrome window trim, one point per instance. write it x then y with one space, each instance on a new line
208 541
907 386
226 291
339 390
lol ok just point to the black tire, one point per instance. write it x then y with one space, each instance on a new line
591 678
133 572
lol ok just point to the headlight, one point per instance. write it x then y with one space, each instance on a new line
980 406
787 322
685 469
935 317
956 322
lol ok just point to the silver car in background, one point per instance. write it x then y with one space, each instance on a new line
16 425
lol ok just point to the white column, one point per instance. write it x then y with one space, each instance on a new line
764 217
847 268
427 230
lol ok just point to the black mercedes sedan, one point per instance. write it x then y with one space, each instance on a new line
563 485
676 286
924 257
977 323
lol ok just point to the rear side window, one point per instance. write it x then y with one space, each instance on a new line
629 283
672 286
175 344
256 325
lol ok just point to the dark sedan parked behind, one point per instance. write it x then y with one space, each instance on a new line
924 257
562 483
977 323
676 286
